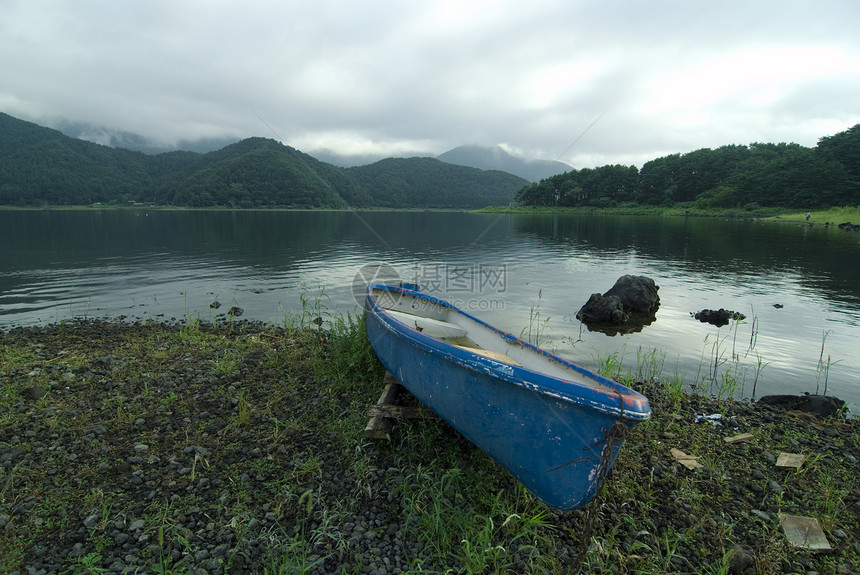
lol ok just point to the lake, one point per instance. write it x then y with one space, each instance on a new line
519 272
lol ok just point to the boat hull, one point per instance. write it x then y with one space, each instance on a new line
558 439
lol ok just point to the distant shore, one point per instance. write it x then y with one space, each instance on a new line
835 215
832 216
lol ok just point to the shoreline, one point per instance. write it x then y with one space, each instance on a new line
238 448
776 214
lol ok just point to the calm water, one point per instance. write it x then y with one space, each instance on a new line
510 270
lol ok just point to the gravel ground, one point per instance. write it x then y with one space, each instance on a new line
134 449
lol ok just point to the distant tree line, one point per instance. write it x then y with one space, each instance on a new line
40 166
758 175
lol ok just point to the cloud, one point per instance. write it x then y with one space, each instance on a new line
395 78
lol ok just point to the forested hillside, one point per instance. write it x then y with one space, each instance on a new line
401 182
758 175
40 166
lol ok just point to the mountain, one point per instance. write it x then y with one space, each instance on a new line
428 182
496 158
41 166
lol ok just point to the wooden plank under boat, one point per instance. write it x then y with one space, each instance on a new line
556 426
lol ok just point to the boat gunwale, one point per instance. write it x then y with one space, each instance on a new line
617 399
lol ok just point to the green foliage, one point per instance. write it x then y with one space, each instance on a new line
430 183
41 167
748 177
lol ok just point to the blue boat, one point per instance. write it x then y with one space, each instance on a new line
554 425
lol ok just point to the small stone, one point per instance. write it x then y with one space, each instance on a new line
196 450
740 559
220 551
76 551
34 393
137 525
763 515
92 520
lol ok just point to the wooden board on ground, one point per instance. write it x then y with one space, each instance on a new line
400 411
685 459
790 460
387 410
739 437
379 427
803 532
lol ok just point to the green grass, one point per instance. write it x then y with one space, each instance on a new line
835 215
231 389
686 209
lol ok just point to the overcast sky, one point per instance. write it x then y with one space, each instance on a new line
588 83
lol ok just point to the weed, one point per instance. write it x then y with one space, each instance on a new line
649 364
728 386
824 365
674 387
760 365
537 324
86 565
292 555
612 366
227 365
753 331
297 553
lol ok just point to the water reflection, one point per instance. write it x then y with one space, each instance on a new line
61 264
745 250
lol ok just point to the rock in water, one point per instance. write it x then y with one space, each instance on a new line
718 317
602 309
631 303
636 293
